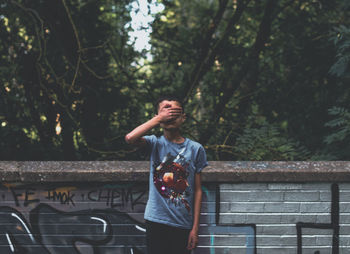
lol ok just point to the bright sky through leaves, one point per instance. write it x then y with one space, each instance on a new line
142 14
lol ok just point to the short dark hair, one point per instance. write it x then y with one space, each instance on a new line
168 97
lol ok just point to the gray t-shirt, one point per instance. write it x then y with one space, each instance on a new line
172 180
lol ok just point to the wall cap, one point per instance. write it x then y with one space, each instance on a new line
217 171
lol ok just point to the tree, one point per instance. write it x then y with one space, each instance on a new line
258 78
238 54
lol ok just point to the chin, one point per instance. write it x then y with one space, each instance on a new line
170 128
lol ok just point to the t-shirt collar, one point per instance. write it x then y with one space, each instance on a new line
185 141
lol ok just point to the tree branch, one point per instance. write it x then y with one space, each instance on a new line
231 86
208 55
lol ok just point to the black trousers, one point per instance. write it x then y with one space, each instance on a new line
164 239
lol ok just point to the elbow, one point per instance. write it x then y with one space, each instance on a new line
128 139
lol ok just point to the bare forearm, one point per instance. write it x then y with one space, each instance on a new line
197 208
141 130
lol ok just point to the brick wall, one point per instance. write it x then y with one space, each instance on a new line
265 217
287 217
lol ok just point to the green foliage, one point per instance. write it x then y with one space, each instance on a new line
337 140
267 142
341 39
341 124
257 78
262 140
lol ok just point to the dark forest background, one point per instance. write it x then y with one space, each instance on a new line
261 79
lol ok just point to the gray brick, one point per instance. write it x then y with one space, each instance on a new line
267 196
243 186
226 196
205 219
281 207
309 240
344 228
265 217
233 219
285 186
264 240
298 218
344 218
276 229
205 206
251 196
344 186
232 240
325 240
317 186
315 207
321 249
344 196
301 196
344 240
251 207
219 250
284 250
344 207
344 250
316 231
289 240
323 218
325 196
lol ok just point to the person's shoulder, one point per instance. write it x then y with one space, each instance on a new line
152 136
200 157
195 144
151 139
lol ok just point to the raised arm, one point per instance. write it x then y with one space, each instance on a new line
166 113
135 136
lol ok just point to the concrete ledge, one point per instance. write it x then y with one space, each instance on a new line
217 171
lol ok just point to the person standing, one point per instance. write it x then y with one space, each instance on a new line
173 207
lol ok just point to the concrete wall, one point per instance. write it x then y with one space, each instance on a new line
283 215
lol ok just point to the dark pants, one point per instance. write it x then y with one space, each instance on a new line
164 239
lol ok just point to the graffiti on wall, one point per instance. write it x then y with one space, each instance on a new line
215 228
72 219
333 226
108 218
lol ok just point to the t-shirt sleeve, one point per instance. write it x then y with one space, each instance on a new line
201 159
150 140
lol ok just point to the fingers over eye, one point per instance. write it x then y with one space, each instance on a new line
176 111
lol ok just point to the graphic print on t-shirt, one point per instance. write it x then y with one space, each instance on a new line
170 178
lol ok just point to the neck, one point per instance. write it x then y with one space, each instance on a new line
173 135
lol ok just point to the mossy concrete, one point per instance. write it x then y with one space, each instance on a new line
217 171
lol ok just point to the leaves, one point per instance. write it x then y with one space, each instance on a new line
262 83
341 39
340 125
